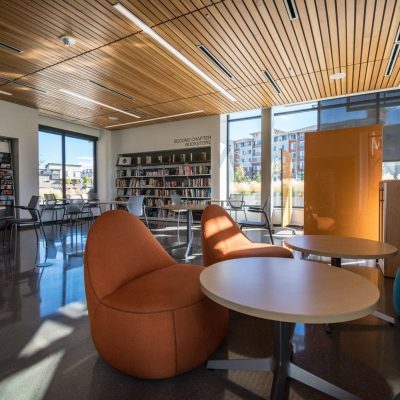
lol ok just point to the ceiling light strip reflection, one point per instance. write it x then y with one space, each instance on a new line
79 96
155 119
146 29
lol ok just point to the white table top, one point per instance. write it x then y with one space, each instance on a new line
340 246
289 290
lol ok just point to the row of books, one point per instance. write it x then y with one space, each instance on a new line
188 170
135 182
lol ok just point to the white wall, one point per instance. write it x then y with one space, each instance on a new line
21 123
161 137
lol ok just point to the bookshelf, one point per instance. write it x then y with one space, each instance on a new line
157 175
7 190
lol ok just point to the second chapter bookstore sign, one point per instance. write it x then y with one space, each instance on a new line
194 141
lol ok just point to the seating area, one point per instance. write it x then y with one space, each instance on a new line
199 200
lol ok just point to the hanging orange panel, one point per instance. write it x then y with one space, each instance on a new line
343 168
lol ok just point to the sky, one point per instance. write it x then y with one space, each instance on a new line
77 151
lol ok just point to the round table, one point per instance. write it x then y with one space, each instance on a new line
288 291
338 247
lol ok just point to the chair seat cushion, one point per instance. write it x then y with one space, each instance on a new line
258 250
21 221
162 290
252 223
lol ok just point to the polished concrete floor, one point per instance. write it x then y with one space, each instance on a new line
46 351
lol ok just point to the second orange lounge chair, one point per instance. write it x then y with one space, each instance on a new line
222 239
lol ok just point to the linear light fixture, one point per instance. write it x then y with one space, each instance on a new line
110 89
392 59
10 47
291 9
215 60
155 119
146 29
6 93
268 77
79 96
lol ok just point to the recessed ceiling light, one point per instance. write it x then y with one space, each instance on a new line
113 118
6 93
146 29
155 119
338 75
79 96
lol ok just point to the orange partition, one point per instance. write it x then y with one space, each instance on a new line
286 187
342 171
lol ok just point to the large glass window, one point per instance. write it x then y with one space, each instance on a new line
66 163
244 155
290 124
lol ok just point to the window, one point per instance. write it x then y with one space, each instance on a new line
244 172
66 162
288 121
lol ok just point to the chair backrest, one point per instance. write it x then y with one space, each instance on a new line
267 208
75 205
33 205
135 205
50 199
120 248
235 200
220 234
92 196
176 199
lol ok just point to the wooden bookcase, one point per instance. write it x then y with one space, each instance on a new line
159 174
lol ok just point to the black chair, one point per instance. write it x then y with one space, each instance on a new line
35 220
236 203
76 211
265 220
92 197
51 203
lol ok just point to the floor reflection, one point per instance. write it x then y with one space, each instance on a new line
46 350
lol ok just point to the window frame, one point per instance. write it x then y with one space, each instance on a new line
75 135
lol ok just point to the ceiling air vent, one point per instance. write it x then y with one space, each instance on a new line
291 9
21 84
115 91
398 35
10 47
215 61
392 59
268 77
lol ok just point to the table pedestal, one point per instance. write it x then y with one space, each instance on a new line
282 367
189 236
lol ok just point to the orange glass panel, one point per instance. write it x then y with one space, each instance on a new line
343 168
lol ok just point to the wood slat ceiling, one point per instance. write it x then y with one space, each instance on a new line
247 36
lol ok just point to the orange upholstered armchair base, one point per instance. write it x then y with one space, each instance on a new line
148 315
222 239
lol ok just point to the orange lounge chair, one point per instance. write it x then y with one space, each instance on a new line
222 239
148 315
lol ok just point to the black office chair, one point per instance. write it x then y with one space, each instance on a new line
236 203
35 220
51 203
265 220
